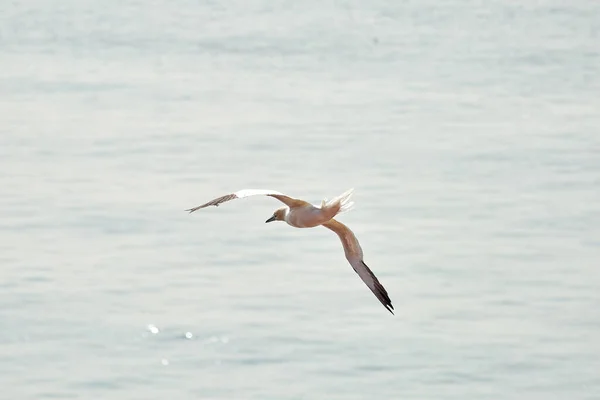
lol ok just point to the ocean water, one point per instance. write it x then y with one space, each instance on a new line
469 130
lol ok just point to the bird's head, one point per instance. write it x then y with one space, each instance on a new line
278 215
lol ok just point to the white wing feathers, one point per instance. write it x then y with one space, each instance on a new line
246 193
354 255
255 192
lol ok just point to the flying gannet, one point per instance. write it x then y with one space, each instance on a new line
301 214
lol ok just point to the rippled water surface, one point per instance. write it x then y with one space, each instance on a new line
470 131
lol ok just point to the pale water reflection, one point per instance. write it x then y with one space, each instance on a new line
470 132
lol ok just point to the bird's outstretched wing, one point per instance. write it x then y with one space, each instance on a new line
289 201
354 255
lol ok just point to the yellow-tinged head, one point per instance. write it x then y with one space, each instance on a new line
278 215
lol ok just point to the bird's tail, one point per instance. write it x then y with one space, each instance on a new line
342 202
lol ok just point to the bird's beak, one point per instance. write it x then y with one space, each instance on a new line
273 218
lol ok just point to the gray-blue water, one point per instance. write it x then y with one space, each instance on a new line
470 131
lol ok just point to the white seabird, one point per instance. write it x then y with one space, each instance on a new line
301 214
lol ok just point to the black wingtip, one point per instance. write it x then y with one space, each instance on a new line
380 291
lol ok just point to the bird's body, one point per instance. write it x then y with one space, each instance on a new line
301 214
308 215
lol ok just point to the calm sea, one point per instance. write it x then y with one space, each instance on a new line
470 131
